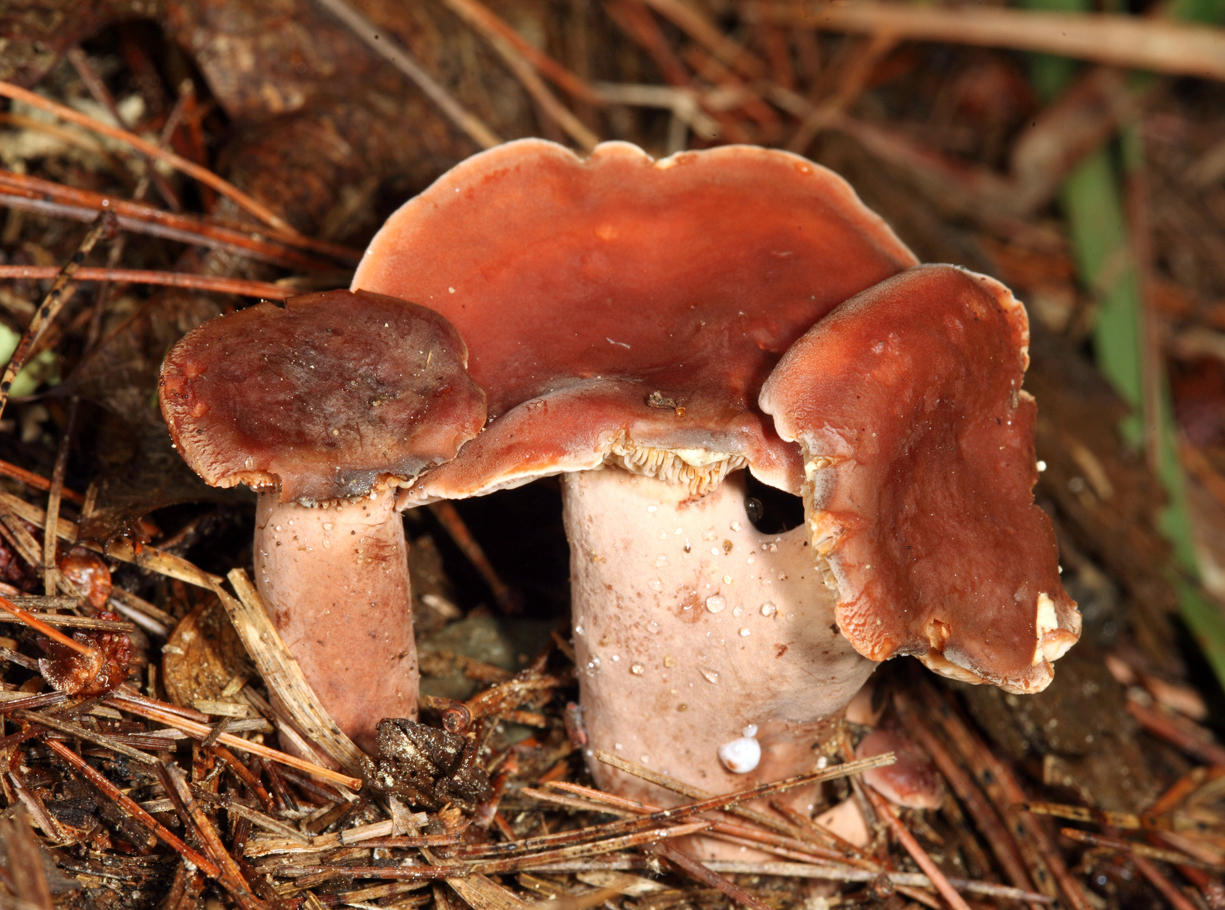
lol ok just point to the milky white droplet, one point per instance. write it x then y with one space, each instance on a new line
715 603
740 756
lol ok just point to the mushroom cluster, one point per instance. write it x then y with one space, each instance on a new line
665 335
655 332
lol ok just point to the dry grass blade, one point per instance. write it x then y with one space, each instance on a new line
995 831
821 871
763 834
683 103
480 16
147 557
1179 731
149 710
701 29
68 620
1092 815
1175 898
448 870
629 826
79 732
257 818
37 481
1159 45
483 893
1123 845
1048 868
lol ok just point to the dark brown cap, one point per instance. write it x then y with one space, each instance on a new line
329 397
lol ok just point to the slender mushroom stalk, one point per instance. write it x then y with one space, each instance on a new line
622 315
326 406
348 563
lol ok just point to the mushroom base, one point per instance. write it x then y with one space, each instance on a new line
691 629
335 581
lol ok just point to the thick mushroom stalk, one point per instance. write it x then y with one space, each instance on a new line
706 650
325 406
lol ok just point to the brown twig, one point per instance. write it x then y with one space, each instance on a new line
1179 731
49 197
216 284
203 175
57 295
37 481
479 15
1047 865
993 828
1161 45
1136 848
229 874
133 809
50 631
706 876
524 66
916 851
387 48
457 529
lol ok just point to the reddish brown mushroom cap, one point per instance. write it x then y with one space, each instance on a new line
663 291
329 397
918 450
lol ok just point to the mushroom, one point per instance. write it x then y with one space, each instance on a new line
622 315
918 446
325 406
